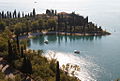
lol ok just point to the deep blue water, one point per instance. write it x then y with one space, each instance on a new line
99 58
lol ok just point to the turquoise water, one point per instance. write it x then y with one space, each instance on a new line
99 57
100 53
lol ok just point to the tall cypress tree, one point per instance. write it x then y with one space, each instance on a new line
28 15
15 13
7 14
23 14
84 23
22 51
34 13
15 52
11 55
9 48
0 15
57 72
18 14
31 14
18 45
55 12
10 15
58 26
3 15
26 66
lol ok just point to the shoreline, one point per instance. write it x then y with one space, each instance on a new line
33 34
77 33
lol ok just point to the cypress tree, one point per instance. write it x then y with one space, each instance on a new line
26 66
48 12
0 15
10 15
23 68
14 55
29 66
18 14
14 14
18 45
9 48
10 52
52 12
7 14
84 22
58 26
65 26
22 51
3 14
23 14
55 12
34 13
57 72
30 14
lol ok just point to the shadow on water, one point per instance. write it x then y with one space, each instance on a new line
59 38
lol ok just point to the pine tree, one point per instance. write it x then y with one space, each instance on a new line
57 72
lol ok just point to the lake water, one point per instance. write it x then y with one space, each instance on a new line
100 56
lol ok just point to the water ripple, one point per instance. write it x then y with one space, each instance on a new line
89 71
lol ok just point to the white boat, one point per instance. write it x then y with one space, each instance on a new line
46 41
76 51
29 35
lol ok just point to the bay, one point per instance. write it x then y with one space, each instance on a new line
99 57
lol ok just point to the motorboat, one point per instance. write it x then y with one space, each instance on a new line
77 51
46 41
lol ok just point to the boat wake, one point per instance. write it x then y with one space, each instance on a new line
88 70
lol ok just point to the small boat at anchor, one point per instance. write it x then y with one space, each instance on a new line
46 41
77 51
